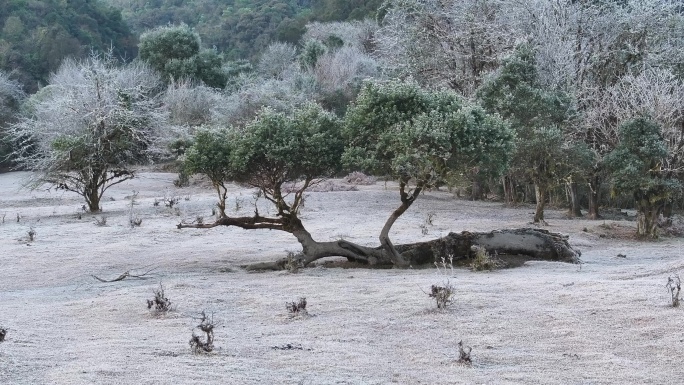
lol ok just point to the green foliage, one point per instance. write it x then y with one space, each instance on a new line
277 147
35 36
175 51
402 130
210 154
636 164
311 52
243 29
538 116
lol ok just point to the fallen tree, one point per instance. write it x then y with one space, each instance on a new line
296 149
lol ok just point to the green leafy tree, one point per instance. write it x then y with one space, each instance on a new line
175 51
637 167
89 126
537 115
211 154
11 96
421 138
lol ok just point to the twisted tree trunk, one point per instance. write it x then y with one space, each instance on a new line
512 247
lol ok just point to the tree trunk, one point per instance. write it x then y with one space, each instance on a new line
477 192
540 195
92 197
509 190
510 247
385 241
647 217
574 211
594 188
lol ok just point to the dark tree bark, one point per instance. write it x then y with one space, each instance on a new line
574 211
648 211
511 246
509 190
594 188
540 195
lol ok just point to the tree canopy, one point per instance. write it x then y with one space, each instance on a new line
83 132
35 36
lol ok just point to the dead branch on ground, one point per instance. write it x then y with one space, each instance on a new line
126 274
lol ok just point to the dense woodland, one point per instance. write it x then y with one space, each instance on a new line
582 100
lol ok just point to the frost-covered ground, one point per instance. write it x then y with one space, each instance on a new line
544 323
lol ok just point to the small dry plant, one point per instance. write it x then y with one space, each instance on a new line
674 286
203 343
31 234
297 308
294 262
101 221
171 202
159 304
464 354
3 334
133 219
483 260
443 293
427 223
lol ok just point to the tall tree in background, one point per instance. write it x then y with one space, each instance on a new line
538 117
35 36
639 167
11 96
89 126
176 52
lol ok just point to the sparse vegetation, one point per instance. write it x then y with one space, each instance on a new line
297 308
159 304
101 221
483 260
674 286
31 234
443 293
464 354
201 344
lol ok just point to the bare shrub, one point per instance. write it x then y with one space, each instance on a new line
31 234
674 286
359 178
464 354
159 304
170 202
427 223
3 334
297 308
483 260
101 221
443 293
203 343
133 219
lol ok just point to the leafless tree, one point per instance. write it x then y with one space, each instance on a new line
89 126
446 43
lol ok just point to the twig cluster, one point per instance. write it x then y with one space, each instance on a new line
464 354
442 294
297 308
203 344
159 304
674 286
